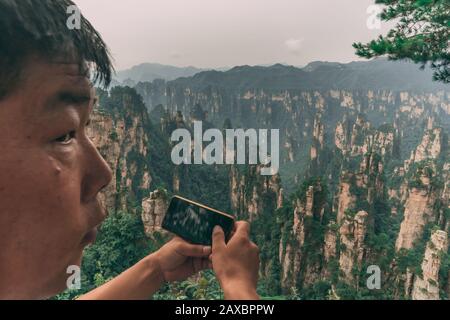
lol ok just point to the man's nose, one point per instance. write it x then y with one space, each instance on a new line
98 174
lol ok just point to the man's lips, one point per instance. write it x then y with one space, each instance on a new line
99 213
90 237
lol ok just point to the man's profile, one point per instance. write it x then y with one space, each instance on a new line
51 173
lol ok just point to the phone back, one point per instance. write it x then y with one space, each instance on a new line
195 222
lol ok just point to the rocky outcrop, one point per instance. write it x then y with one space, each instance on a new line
102 132
430 147
341 136
346 201
360 186
317 146
357 137
329 248
426 286
360 131
296 247
153 210
318 138
417 192
251 192
352 235
419 211
119 131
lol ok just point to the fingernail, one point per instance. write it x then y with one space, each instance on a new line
207 250
217 229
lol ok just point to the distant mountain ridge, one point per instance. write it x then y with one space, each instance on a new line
152 71
378 74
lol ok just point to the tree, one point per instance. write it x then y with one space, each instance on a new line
422 34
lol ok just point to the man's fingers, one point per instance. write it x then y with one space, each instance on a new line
243 228
218 238
192 250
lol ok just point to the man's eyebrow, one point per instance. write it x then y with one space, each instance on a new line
74 97
77 98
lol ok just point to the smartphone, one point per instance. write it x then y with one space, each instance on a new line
195 222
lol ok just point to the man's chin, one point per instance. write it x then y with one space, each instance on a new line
69 274
60 286
72 269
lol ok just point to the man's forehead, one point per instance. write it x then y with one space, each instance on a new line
64 80
69 69
72 71
55 82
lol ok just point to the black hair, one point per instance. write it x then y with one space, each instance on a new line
39 27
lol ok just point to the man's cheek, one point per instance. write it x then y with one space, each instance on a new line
55 197
63 198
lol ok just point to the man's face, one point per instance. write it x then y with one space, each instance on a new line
50 175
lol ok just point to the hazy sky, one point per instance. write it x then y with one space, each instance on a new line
223 33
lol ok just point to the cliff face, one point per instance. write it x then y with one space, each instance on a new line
120 145
251 193
366 204
329 248
153 210
296 246
430 147
102 131
358 138
352 235
423 195
363 151
419 211
122 131
306 118
317 145
346 201
426 286
359 183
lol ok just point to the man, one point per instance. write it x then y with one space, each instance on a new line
51 173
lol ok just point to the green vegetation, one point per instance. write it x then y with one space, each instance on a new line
204 287
122 241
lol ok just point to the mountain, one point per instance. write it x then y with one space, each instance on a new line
364 180
152 71
378 74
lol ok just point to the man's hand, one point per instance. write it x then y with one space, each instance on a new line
236 264
178 259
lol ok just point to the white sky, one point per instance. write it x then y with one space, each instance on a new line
225 33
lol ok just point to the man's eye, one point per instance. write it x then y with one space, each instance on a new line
67 138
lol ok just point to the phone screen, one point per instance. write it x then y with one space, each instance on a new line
195 222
